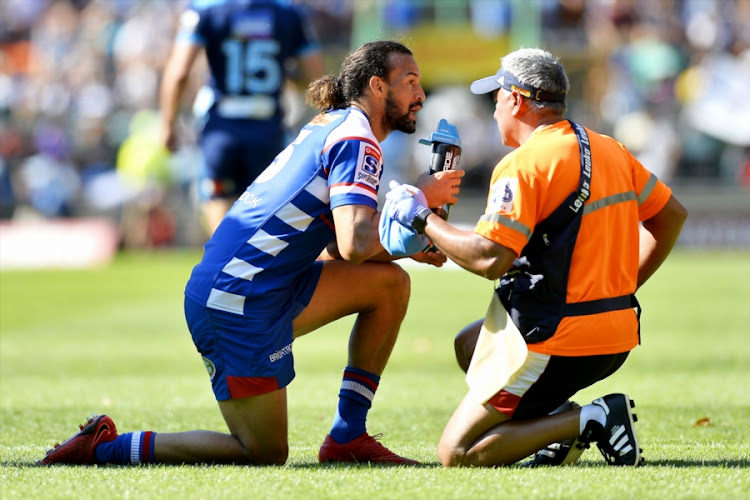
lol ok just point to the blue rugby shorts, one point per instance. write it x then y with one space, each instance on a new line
241 358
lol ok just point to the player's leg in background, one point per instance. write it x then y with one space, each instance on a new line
222 178
236 153
213 212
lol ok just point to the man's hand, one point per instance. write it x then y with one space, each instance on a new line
433 258
441 188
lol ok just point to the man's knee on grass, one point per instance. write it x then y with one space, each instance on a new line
450 453
465 342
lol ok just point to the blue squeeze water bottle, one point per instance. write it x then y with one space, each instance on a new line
446 154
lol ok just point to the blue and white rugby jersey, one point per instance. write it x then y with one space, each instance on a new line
247 44
283 220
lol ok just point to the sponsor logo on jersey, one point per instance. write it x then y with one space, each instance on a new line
369 166
250 199
253 25
503 195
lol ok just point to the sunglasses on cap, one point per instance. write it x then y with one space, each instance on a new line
506 80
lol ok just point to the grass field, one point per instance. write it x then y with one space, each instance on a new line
114 341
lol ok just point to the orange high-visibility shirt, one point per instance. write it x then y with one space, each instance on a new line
532 181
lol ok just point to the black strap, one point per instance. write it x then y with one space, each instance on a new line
605 305
602 305
584 186
584 150
572 205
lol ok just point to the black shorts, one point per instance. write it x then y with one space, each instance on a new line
545 382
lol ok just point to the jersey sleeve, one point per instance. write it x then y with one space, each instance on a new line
355 167
191 22
651 193
510 216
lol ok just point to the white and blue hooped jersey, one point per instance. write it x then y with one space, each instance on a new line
281 223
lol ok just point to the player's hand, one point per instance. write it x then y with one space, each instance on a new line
169 138
404 202
441 188
431 257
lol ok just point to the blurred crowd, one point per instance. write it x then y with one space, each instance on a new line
79 84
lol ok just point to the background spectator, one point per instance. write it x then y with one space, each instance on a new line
668 78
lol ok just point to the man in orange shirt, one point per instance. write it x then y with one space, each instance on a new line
561 232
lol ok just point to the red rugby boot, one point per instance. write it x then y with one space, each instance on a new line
79 449
364 449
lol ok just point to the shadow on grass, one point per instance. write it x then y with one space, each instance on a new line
739 463
23 464
678 464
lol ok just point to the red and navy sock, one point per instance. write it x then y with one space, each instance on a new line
132 448
355 399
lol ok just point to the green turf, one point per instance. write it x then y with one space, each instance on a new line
114 341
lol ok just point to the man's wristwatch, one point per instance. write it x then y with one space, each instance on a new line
420 220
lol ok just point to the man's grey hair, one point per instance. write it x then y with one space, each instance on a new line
541 69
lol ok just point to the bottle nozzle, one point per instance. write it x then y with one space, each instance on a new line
446 133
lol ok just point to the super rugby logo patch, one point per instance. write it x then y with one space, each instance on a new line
369 166
503 195
210 367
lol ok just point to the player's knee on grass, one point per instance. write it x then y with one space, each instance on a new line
274 454
465 342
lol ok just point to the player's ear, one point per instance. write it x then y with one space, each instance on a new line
377 86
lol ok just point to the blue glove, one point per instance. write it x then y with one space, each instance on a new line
406 202
397 239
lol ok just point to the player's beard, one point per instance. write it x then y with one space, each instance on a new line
396 121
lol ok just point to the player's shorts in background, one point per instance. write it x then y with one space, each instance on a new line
235 152
241 359
545 382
